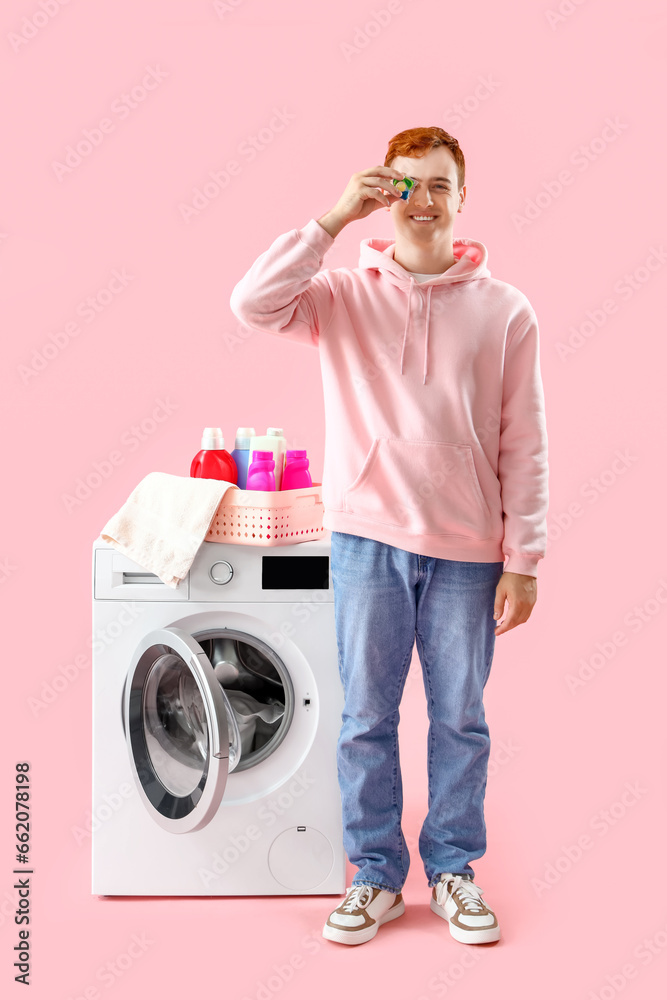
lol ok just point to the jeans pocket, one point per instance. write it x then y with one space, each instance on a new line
424 487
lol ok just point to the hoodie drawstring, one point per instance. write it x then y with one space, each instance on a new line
407 324
407 320
471 264
428 314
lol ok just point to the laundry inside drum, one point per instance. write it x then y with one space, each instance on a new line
258 687
175 727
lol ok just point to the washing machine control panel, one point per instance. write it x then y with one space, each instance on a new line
230 573
221 572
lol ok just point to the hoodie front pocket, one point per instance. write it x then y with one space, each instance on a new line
424 487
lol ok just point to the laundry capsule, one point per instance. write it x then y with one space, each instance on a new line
405 186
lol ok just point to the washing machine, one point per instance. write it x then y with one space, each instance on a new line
216 712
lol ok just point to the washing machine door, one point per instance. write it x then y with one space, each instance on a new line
180 730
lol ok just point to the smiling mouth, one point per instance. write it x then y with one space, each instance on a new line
423 218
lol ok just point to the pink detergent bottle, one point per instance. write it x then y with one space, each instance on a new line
261 475
296 475
213 462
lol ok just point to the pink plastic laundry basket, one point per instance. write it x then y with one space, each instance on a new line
265 517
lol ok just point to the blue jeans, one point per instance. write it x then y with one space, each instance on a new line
384 597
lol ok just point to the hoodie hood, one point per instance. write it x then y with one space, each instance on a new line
471 264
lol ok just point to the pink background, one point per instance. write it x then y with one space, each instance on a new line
525 97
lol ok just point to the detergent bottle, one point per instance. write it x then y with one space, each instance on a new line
241 453
261 474
296 475
213 462
274 442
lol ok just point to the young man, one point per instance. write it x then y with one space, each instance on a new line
435 471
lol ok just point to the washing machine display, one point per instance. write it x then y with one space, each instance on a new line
229 707
295 572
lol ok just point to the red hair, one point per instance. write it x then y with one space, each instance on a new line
420 141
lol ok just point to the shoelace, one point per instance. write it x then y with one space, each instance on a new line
356 894
469 893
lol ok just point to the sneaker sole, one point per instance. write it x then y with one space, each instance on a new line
482 936
366 933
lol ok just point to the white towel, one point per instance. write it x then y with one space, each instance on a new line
163 522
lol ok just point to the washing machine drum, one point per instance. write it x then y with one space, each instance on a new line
242 666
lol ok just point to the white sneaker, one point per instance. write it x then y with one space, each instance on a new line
458 900
359 916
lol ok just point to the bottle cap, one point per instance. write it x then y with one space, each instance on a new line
295 453
243 435
212 439
262 456
274 432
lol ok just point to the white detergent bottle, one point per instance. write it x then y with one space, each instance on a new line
275 442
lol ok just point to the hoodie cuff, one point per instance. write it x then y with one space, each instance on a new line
526 565
316 237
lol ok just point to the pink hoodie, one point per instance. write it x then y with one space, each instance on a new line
435 427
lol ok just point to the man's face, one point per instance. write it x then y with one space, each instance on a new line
430 211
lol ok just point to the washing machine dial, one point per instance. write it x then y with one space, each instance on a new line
221 572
